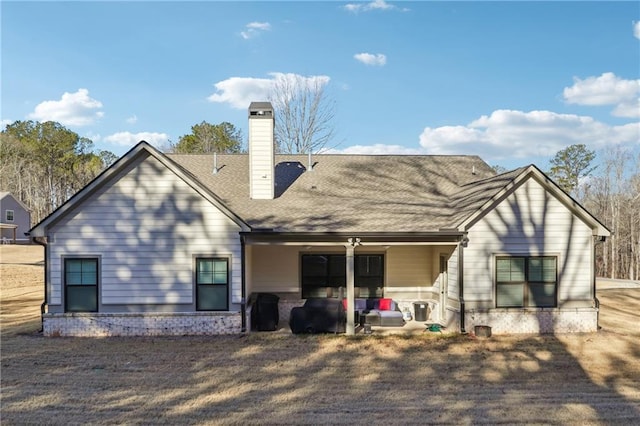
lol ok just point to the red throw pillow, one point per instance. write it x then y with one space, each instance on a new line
385 304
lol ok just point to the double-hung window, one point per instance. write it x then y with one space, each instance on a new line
212 284
8 215
81 284
526 281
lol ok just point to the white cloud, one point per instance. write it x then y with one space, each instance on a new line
264 26
132 120
636 30
366 7
606 89
518 134
4 123
254 28
628 109
507 134
130 139
376 149
371 59
73 109
239 92
95 137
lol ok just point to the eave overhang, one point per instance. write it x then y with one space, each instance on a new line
266 237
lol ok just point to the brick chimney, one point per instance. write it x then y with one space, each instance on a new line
261 151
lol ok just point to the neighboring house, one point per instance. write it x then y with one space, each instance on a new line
179 244
15 219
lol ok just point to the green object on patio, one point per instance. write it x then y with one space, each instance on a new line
434 328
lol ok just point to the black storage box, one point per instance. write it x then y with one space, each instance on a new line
264 312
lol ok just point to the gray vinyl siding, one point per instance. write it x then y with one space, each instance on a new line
148 227
530 222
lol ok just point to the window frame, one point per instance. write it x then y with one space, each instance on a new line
67 285
306 290
6 215
212 284
526 282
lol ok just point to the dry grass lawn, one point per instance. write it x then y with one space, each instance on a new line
279 378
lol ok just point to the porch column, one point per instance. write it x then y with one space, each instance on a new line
351 247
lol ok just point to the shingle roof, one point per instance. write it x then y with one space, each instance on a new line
4 194
356 193
471 197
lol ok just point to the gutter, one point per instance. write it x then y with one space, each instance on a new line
243 300
43 243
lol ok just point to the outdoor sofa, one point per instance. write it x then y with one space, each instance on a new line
383 312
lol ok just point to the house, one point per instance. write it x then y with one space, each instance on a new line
15 219
181 244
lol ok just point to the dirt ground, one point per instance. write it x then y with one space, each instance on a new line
272 378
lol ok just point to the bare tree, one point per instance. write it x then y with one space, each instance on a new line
613 196
634 224
304 113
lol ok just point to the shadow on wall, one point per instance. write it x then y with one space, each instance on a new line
531 222
146 228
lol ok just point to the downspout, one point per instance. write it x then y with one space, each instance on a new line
598 240
46 276
463 243
243 300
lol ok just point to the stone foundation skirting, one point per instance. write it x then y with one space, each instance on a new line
534 320
284 310
141 324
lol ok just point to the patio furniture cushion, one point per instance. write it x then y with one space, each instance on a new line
391 319
383 312
361 305
385 304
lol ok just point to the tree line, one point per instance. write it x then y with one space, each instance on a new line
610 190
44 164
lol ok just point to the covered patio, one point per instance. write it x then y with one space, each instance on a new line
8 232
405 267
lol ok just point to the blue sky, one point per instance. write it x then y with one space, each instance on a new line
513 82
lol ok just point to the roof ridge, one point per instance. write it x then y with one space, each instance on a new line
490 178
